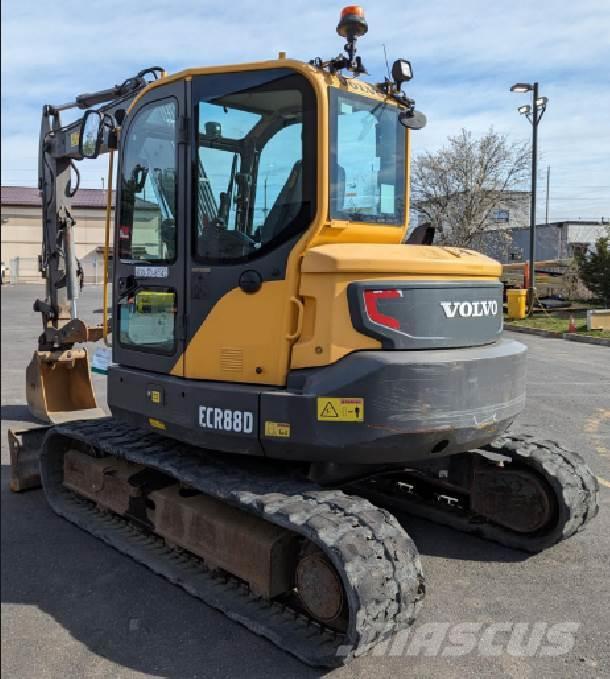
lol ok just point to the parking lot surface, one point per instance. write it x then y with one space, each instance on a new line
72 607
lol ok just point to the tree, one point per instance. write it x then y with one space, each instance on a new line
457 188
594 269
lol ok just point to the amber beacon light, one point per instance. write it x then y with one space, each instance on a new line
352 23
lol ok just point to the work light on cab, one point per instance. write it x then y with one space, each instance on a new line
402 71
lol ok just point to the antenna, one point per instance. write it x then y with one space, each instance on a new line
385 56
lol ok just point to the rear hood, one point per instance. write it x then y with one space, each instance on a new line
383 259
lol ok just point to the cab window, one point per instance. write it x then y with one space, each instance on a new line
147 212
147 320
255 154
367 160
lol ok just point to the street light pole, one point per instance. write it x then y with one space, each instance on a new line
534 115
548 190
535 119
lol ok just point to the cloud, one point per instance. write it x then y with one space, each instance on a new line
465 57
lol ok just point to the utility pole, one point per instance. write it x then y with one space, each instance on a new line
548 186
265 211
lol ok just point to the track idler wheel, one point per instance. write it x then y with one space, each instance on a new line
518 499
555 493
319 588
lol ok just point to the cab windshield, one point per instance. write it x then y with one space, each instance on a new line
255 162
367 160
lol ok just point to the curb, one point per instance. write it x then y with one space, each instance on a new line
532 331
571 337
586 339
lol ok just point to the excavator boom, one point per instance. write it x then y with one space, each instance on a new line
58 382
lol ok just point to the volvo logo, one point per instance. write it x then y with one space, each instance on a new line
470 309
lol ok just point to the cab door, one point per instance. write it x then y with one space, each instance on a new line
253 155
149 259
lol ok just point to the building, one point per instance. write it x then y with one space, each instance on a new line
511 211
505 233
21 230
556 240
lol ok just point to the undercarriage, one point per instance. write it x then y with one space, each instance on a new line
325 572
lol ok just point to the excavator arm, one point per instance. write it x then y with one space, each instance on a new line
58 379
59 147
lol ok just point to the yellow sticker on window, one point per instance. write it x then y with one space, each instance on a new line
155 396
340 409
277 429
157 424
74 138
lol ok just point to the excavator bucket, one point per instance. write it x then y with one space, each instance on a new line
58 386
24 446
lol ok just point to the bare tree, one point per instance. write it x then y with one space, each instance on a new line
457 188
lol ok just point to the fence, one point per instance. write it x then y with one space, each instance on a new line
25 270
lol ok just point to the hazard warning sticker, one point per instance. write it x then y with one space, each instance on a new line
277 429
340 409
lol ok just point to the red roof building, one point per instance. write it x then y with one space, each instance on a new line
21 230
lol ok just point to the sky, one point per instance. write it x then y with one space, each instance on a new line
465 56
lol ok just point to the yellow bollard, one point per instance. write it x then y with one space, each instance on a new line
516 303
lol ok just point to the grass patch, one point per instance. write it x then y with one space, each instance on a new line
558 324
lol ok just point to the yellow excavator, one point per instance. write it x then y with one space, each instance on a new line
288 367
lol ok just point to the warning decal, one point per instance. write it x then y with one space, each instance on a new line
340 409
277 429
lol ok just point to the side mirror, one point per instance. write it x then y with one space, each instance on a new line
414 120
91 131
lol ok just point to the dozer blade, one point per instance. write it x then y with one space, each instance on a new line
25 446
58 387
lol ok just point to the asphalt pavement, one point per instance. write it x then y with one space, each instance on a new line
73 607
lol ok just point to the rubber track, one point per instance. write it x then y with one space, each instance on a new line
574 485
378 562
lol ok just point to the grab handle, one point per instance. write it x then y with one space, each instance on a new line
297 333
